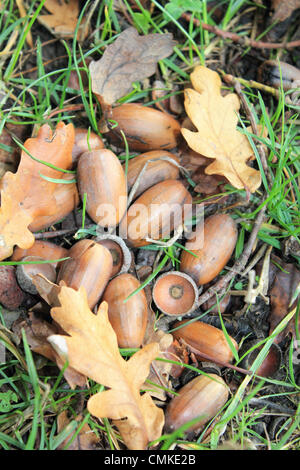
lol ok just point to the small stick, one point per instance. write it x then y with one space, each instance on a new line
242 40
239 265
213 360
260 148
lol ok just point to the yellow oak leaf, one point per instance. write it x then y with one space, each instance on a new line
215 118
92 349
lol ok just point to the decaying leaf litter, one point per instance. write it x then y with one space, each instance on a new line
70 330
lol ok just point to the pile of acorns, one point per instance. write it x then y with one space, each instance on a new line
101 264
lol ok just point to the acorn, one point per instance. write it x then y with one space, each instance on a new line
102 178
205 339
213 244
25 273
128 319
270 364
154 172
11 295
43 249
156 213
145 128
175 293
119 251
85 141
90 266
66 199
272 73
202 397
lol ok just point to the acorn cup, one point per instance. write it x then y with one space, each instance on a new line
204 339
175 294
202 397
213 245
128 319
90 265
156 166
25 273
43 249
145 128
156 213
102 178
121 255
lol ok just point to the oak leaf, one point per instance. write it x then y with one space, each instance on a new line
215 118
128 59
92 349
26 195
63 17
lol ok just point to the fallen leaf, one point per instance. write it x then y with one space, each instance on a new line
37 331
26 195
63 18
86 439
92 349
128 59
283 9
215 118
159 371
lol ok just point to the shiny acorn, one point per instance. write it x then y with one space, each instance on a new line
175 293
156 213
128 319
160 169
43 249
102 178
213 244
85 141
205 339
90 266
202 397
145 128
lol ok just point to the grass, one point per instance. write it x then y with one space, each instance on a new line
30 400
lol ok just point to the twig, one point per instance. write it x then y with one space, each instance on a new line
239 265
260 148
55 233
242 40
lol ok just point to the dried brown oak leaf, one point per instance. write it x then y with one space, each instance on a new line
63 17
283 9
25 194
92 349
215 118
130 58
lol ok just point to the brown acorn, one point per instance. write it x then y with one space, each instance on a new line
175 293
155 171
128 319
156 213
43 249
202 397
270 364
119 251
213 245
206 339
145 128
102 178
25 273
90 266
85 142
66 199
